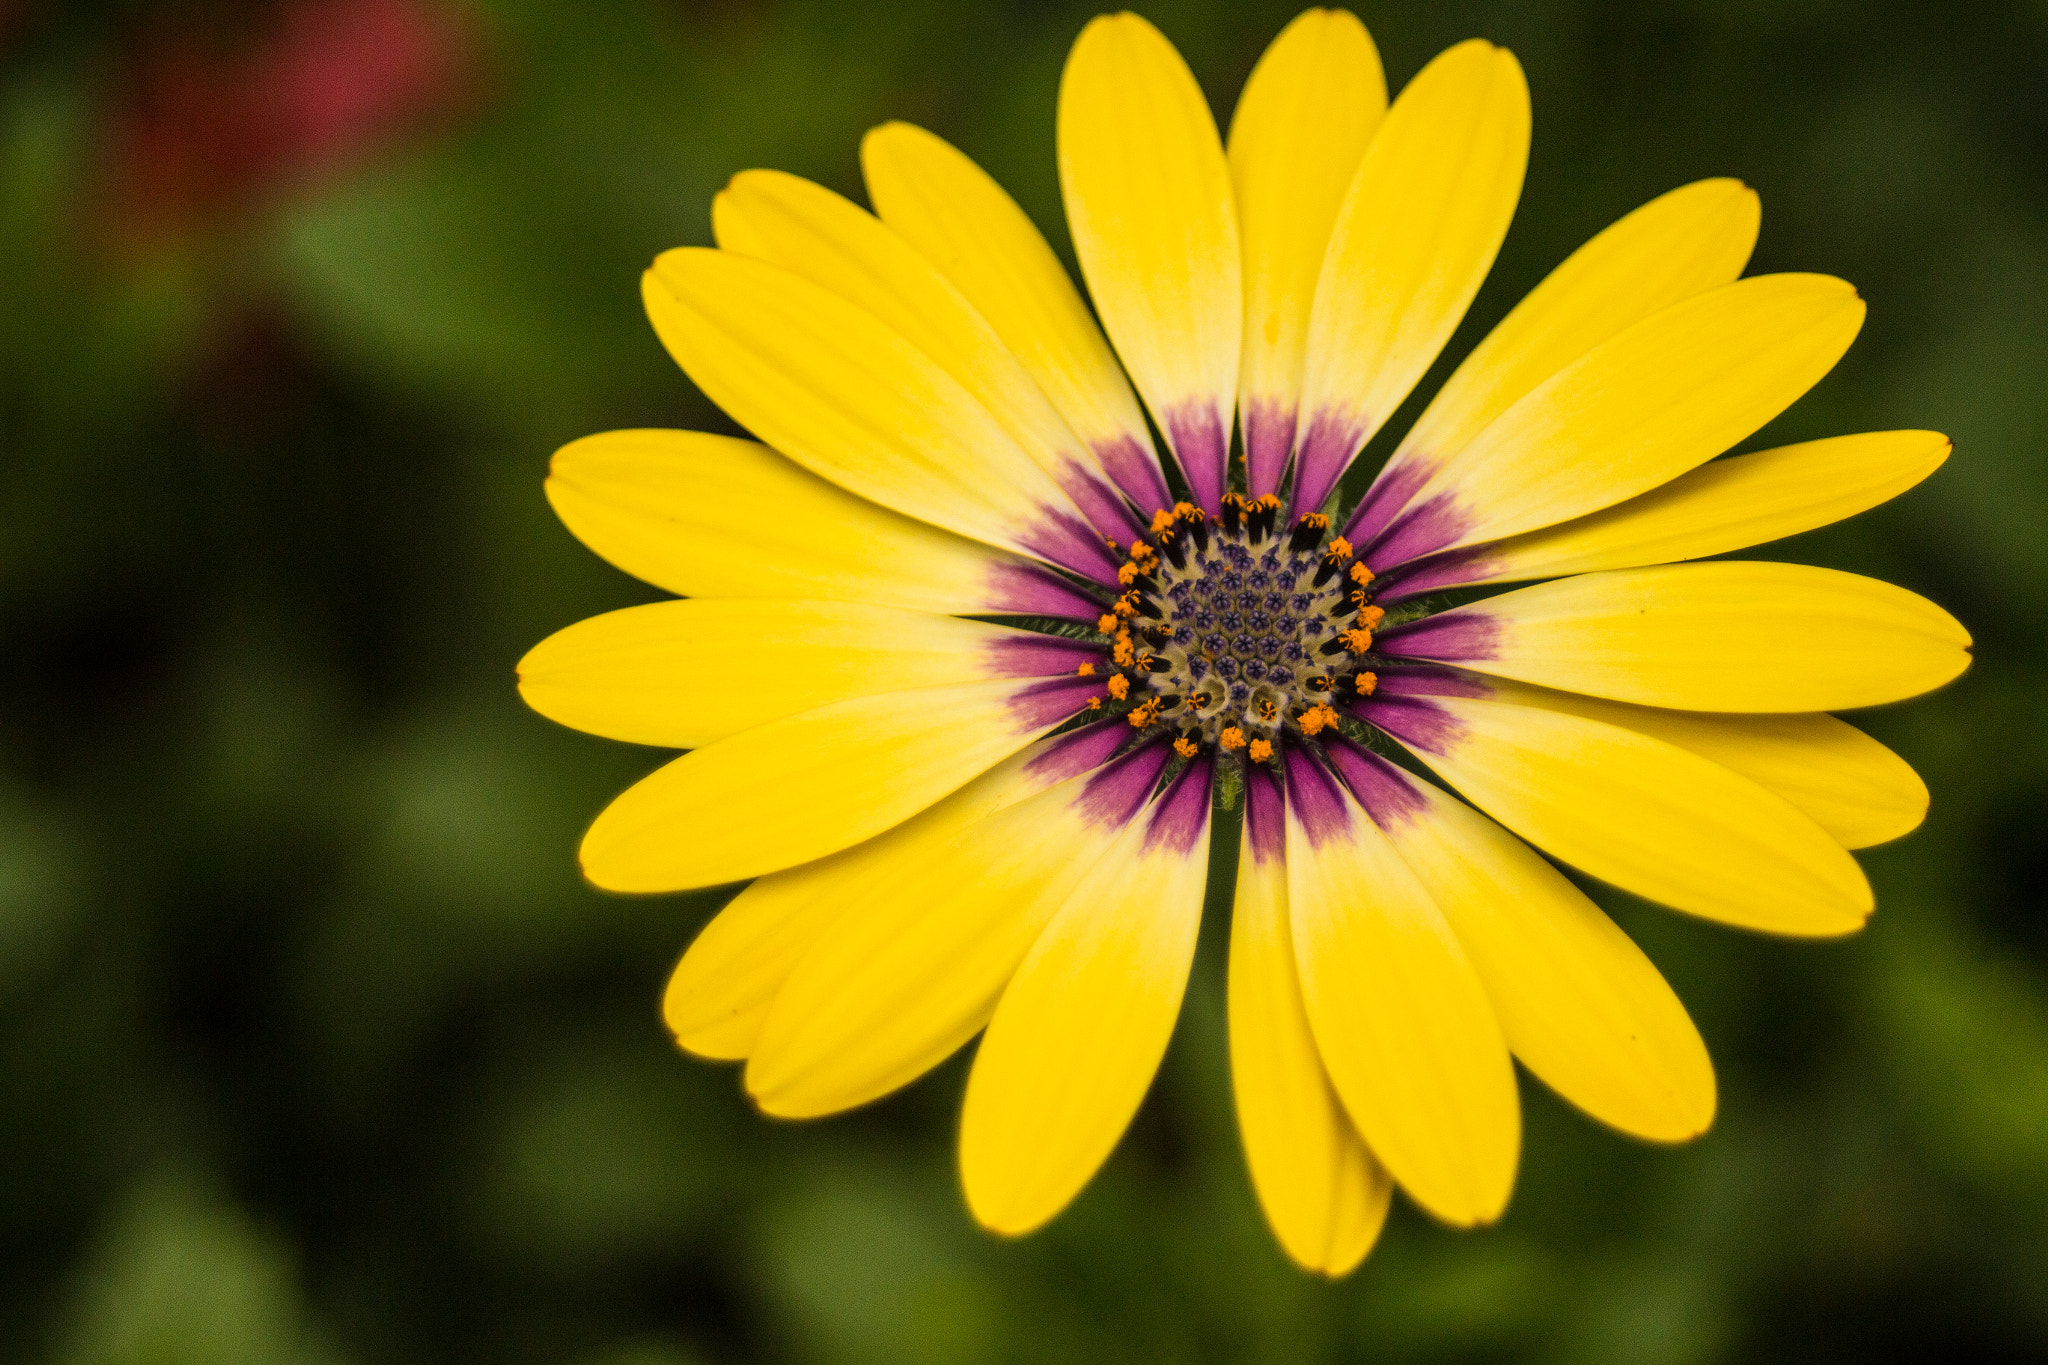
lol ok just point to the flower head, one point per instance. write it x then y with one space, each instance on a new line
970 668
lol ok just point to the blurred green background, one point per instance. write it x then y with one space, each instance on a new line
314 1048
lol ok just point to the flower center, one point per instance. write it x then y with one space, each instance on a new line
1234 633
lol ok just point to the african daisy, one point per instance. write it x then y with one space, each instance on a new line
971 670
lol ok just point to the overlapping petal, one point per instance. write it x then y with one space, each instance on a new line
1656 401
974 234
808 785
1577 1001
1683 243
1080 1030
1148 201
1323 1192
836 244
1299 131
845 395
1416 234
1399 1015
922 948
1636 811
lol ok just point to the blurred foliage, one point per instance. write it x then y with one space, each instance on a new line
316 1050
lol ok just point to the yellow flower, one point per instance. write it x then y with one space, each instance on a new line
946 838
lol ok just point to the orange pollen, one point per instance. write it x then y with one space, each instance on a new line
1357 641
1121 651
1105 623
1127 574
1371 617
1358 596
1339 548
1114 548
1317 719
1259 751
1142 717
1232 738
1085 671
1316 521
1267 503
1161 520
1365 682
1119 686
1185 748
1095 703
1360 574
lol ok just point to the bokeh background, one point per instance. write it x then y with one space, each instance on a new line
314 1048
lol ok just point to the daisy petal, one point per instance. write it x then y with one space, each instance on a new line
1399 1015
687 674
1657 401
843 394
913 966
1680 244
1846 782
811 784
1300 128
1323 1193
719 996
1416 235
710 516
1724 636
970 229
1579 1003
833 242
1635 811
1724 505
1079 1032
1148 201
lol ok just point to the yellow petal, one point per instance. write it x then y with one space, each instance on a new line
914 964
807 785
1417 233
1683 243
1579 1003
1149 204
1724 505
719 997
686 674
1846 782
834 243
1400 1017
1079 1032
1724 636
964 223
1638 410
1323 1193
1301 126
710 516
1630 809
846 396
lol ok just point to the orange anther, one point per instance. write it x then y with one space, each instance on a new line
1370 617
1357 641
1185 748
1085 671
1232 738
1161 520
1105 623
1339 548
1095 703
1360 574
1366 682
1260 751
1127 574
1119 686
1142 717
